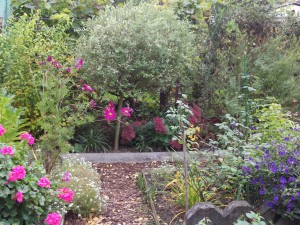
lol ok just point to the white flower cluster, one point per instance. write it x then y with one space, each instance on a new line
84 180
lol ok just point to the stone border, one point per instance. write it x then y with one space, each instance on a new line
130 157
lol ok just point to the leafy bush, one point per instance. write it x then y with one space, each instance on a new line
80 176
28 39
151 49
28 195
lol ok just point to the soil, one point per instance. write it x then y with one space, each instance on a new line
126 204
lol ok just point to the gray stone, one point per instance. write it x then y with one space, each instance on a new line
131 157
218 217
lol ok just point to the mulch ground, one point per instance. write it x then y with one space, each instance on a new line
125 205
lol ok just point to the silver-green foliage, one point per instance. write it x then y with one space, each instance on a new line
136 48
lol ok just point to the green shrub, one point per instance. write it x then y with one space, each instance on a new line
84 180
136 48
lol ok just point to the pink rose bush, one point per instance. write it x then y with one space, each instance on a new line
21 183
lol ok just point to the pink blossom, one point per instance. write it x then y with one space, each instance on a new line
126 111
56 64
87 88
127 134
79 63
53 219
159 125
44 182
8 150
68 70
28 137
19 196
18 173
2 130
65 194
93 104
66 177
49 58
109 114
111 105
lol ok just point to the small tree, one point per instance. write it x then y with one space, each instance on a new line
136 48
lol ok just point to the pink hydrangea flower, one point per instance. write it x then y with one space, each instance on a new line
79 63
44 182
87 88
53 219
28 137
93 104
18 173
19 196
109 114
8 150
2 130
65 194
66 177
126 111
159 125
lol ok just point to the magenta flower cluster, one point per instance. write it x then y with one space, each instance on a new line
18 173
28 137
159 125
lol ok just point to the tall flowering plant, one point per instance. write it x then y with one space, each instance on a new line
276 174
27 196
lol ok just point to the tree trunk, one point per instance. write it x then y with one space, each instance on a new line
118 125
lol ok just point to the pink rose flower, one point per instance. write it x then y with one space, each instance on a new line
28 137
44 182
18 173
65 194
126 111
2 130
8 150
53 219
19 196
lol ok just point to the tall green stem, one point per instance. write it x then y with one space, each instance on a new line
118 125
246 92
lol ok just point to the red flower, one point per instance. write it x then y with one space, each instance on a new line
127 134
159 125
175 144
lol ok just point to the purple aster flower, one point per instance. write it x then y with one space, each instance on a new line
298 194
275 199
262 191
272 167
295 129
292 179
282 180
291 160
287 139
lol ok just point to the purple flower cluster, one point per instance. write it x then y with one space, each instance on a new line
276 174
